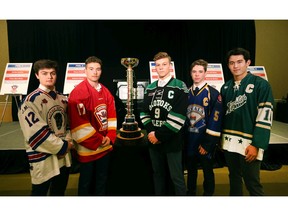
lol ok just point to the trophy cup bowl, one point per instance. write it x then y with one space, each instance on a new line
130 129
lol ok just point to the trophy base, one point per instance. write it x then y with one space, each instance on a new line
130 131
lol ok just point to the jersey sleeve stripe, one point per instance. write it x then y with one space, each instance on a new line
83 132
39 137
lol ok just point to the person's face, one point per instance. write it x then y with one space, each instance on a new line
238 66
47 77
198 74
93 71
162 67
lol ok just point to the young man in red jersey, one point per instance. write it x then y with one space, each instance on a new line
92 116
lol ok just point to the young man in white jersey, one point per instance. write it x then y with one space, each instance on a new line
43 120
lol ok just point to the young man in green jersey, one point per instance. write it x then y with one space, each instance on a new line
248 113
163 116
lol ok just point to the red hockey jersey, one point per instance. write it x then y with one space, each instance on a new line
92 115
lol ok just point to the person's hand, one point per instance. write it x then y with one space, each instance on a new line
251 153
202 151
105 141
69 147
152 138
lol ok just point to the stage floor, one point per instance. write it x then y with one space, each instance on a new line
13 158
11 136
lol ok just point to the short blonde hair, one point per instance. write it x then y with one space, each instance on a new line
161 55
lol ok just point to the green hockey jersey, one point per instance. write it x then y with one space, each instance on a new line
248 114
164 111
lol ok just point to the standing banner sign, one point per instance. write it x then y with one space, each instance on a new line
153 73
74 75
16 79
214 76
259 71
15 82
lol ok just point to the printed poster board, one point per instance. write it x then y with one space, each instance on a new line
138 93
259 71
214 75
16 79
74 75
153 73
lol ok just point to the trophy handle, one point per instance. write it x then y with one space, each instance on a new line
129 62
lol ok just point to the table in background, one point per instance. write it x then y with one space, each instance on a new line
282 112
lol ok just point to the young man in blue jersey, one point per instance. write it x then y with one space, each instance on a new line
163 116
248 113
203 127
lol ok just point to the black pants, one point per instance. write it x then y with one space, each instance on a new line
192 163
93 177
161 178
250 172
56 185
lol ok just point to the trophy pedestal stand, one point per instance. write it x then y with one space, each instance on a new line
130 130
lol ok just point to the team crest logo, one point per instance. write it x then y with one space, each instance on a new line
101 116
56 119
14 89
158 94
195 115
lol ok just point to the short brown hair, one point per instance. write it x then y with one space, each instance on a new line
45 63
161 55
93 59
201 62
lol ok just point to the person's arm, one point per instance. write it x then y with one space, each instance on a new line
37 133
112 120
81 129
263 123
145 114
176 116
214 123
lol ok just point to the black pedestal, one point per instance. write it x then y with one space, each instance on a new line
130 171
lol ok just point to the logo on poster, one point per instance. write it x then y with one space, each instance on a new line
14 89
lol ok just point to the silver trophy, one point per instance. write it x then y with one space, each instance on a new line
130 129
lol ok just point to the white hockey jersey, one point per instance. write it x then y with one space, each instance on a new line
43 121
